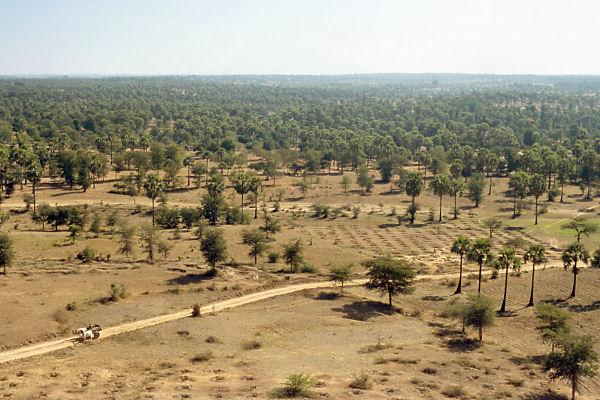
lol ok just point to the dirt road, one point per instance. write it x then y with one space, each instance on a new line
53 345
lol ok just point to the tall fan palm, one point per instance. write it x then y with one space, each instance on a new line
461 246
571 257
536 253
480 252
506 260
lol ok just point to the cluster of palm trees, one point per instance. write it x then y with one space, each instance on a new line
479 251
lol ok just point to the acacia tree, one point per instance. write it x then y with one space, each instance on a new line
576 359
571 257
480 252
150 237
440 184
6 252
413 187
455 189
492 224
127 236
536 253
506 260
461 246
346 183
537 187
154 188
475 188
256 240
581 227
340 275
213 247
554 323
292 253
391 276
518 183
479 313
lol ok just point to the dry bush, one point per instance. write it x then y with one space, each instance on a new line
202 357
363 382
252 345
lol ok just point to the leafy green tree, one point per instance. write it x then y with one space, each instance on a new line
271 226
6 252
554 323
576 359
34 175
507 259
536 253
198 171
154 188
440 184
479 313
475 188
127 236
256 240
292 253
566 169
96 224
572 255
414 185
480 252
537 187
363 179
455 189
461 246
340 274
214 247
389 275
581 227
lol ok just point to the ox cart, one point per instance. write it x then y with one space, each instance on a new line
92 331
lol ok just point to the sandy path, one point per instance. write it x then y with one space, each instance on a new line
53 345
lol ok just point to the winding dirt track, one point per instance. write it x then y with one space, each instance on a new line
53 345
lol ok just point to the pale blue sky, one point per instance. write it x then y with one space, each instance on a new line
298 37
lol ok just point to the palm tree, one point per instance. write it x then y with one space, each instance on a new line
480 252
414 185
461 246
536 253
507 259
455 188
537 187
440 186
571 256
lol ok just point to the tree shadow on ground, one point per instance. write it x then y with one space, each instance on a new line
507 314
328 296
594 306
189 279
364 310
518 360
386 226
434 298
549 395
462 344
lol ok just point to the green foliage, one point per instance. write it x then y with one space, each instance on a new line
554 322
292 253
475 188
576 359
391 276
256 240
296 385
6 252
341 274
479 313
87 255
214 247
117 292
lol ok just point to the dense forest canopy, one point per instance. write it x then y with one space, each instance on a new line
466 123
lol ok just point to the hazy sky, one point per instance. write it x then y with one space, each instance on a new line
298 37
